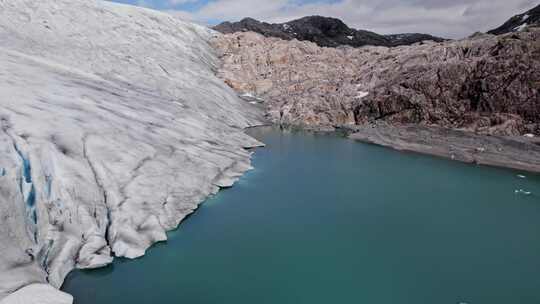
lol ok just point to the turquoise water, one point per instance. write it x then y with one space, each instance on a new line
323 219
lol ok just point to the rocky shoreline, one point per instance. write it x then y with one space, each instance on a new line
475 100
510 152
514 152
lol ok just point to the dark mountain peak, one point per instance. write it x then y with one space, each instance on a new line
249 20
324 31
319 26
319 19
519 22
322 23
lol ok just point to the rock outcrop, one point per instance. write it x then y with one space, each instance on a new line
518 152
485 84
324 31
519 22
113 128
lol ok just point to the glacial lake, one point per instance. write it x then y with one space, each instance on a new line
323 219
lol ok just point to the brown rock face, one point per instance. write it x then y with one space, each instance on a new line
487 84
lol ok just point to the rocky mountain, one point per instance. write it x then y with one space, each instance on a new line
113 128
486 84
324 31
519 22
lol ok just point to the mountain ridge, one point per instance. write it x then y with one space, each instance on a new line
519 22
324 31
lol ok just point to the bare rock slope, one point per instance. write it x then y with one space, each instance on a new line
113 128
486 84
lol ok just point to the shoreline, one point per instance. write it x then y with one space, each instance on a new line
518 153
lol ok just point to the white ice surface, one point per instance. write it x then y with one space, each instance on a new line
38 294
113 128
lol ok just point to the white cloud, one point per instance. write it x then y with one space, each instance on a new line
447 18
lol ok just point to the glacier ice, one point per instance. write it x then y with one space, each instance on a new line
46 294
113 128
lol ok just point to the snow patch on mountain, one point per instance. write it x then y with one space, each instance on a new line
521 28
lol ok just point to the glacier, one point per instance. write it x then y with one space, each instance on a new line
113 128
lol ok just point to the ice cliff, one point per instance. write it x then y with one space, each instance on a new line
113 128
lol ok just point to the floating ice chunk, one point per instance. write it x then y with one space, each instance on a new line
521 191
521 176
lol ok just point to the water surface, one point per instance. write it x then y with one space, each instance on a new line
323 219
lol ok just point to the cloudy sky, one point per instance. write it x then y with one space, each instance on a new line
447 18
